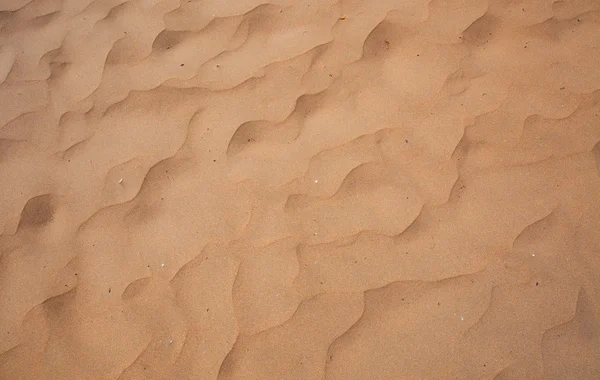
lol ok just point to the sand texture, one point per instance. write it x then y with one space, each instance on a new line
352 189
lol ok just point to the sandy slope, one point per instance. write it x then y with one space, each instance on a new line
299 189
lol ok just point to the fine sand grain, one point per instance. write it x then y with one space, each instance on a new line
351 189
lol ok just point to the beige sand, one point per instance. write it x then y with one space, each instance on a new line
235 189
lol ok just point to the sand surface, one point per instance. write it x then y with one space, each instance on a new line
352 189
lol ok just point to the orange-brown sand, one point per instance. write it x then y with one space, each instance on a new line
316 189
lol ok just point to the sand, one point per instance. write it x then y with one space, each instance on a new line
299 189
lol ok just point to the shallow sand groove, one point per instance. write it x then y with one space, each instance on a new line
299 189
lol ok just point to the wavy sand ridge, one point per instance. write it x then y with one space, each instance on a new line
299 189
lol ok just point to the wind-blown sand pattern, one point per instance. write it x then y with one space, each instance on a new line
210 189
